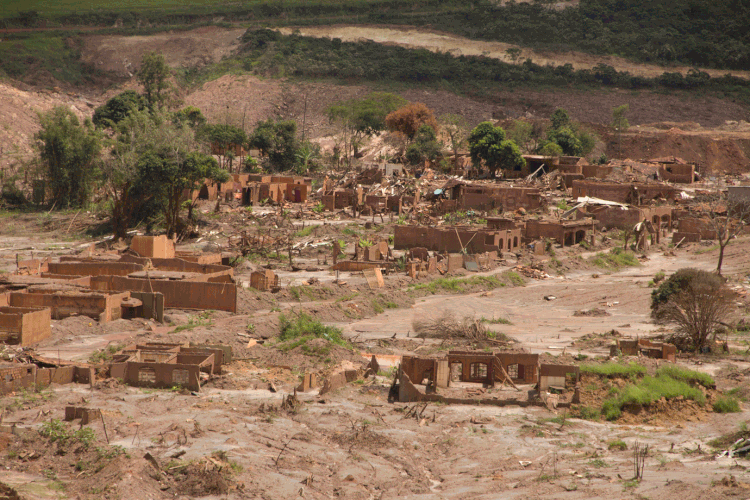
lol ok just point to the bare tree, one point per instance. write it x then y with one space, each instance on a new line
726 218
694 300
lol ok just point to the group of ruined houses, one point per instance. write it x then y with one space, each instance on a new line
152 275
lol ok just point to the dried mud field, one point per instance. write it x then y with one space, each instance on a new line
248 434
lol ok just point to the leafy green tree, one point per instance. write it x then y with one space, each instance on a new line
117 108
154 159
307 153
551 149
560 119
169 176
567 140
153 76
69 152
425 146
222 138
487 143
277 141
191 116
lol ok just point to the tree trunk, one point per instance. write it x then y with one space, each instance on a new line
721 256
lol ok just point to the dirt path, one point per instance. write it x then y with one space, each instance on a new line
414 38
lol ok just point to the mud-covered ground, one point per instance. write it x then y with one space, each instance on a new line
242 437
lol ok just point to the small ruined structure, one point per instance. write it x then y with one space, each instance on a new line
644 347
456 239
635 193
264 280
167 365
454 378
564 232
492 196
24 326
558 377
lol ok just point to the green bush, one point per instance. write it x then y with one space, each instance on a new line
727 404
617 444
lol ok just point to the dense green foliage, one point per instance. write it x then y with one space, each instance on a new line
488 146
153 76
270 53
727 404
278 142
425 146
38 55
69 152
117 108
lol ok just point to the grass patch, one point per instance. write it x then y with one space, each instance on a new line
617 444
588 413
297 331
727 404
613 370
685 375
615 259
648 391
306 231
496 321
459 285
706 250
514 278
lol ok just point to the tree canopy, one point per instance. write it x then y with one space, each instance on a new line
278 141
487 143
117 108
153 76
69 152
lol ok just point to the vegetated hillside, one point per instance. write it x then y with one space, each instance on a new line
703 33
270 53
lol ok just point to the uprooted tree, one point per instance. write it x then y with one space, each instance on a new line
696 302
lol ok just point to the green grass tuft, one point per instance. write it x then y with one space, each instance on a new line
727 404
615 259
685 375
612 369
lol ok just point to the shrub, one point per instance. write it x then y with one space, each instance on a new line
695 301
617 444
727 404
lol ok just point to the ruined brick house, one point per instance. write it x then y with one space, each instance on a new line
625 217
493 196
471 366
644 347
681 173
564 232
636 193
456 239
166 365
